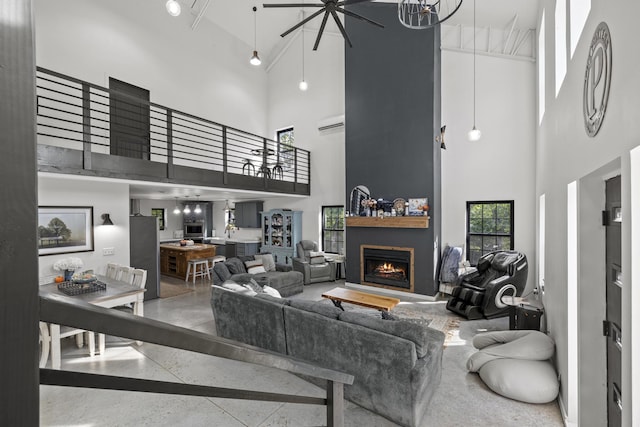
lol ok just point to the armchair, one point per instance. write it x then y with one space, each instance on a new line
478 294
312 264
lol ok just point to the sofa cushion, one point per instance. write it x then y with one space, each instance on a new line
222 271
267 260
424 338
319 259
235 266
316 307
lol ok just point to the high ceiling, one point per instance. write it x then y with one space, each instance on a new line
237 18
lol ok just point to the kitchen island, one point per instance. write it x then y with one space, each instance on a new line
175 258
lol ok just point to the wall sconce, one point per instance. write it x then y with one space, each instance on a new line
106 220
440 138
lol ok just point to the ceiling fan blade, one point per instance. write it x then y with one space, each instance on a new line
341 27
362 18
321 30
301 23
293 5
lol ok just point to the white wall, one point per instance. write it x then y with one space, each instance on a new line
501 165
565 154
205 72
288 106
113 199
172 221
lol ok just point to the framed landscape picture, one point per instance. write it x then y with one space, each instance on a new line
416 206
63 229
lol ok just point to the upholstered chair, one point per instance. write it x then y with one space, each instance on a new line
312 263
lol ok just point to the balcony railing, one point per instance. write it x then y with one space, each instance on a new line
87 129
67 311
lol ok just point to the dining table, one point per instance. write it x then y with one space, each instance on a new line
117 293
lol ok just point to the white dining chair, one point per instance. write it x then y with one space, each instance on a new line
124 273
112 270
138 277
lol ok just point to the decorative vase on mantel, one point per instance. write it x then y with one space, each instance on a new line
68 274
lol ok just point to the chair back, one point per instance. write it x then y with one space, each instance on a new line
124 273
304 247
112 270
139 278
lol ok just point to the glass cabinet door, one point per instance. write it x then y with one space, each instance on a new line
276 229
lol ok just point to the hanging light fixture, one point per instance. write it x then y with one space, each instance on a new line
226 206
303 85
474 134
255 59
173 7
197 209
176 210
186 209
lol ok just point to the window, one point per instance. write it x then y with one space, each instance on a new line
160 214
333 229
285 137
489 228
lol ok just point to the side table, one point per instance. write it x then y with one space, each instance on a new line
341 272
523 314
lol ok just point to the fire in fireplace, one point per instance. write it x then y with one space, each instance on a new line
387 266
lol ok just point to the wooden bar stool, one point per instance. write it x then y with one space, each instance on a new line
197 268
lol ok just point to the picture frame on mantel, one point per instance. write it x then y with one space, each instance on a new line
416 206
65 229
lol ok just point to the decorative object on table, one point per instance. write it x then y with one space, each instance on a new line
369 206
73 288
418 207
68 266
64 229
329 7
398 205
358 194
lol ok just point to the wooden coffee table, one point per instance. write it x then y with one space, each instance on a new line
340 295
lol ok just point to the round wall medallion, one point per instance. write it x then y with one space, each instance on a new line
597 80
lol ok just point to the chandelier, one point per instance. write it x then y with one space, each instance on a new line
421 14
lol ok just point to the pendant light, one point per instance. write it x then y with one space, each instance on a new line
255 59
173 7
197 209
303 85
474 134
186 209
176 210
226 206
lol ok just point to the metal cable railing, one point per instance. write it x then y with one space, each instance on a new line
76 115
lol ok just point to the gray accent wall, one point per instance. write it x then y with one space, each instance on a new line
392 111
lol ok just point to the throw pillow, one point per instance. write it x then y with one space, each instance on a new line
253 285
267 260
271 291
233 286
255 267
315 253
235 266
317 260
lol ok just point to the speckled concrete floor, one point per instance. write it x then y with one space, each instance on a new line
461 399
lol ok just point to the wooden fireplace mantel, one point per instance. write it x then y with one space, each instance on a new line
389 222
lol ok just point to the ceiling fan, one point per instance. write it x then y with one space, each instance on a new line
329 7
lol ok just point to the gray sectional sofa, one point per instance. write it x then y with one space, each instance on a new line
280 277
396 364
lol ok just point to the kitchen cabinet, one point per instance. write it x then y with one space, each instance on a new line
245 249
247 214
281 231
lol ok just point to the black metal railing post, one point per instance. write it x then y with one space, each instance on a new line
295 169
170 169
225 165
335 404
86 126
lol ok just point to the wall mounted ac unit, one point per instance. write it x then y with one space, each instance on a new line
331 123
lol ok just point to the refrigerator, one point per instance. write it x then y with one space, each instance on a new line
144 247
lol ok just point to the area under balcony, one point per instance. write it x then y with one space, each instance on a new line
85 129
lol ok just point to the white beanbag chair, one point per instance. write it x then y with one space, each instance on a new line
515 364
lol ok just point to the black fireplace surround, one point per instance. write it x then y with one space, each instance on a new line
388 267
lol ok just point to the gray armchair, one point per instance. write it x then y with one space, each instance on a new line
315 269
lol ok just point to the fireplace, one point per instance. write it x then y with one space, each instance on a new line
387 267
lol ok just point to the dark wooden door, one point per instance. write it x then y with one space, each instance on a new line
129 116
613 321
